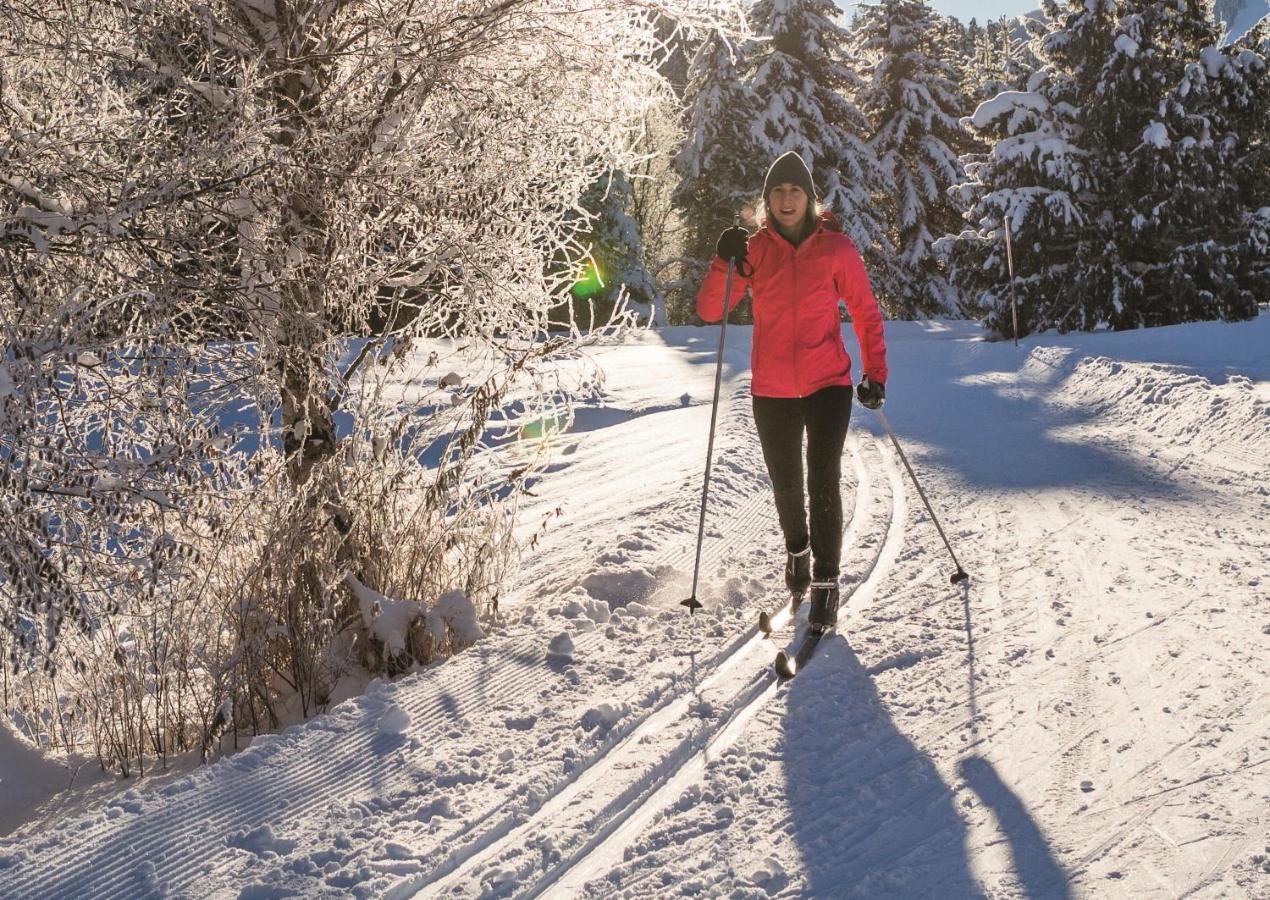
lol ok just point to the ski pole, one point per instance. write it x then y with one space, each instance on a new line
692 602
960 574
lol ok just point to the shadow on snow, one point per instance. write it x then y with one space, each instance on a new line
869 810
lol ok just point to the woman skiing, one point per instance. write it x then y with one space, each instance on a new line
799 266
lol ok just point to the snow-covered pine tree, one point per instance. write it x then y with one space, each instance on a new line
805 87
1040 177
1003 59
913 99
1172 191
1246 91
613 265
959 42
721 164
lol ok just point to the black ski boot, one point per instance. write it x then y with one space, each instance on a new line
824 605
798 573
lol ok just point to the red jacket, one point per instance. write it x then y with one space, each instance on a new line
798 345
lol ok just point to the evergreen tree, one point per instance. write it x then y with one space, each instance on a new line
1249 105
721 165
804 85
614 265
913 98
1003 59
1172 197
1039 179
1129 172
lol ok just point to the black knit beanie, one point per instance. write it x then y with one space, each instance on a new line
789 167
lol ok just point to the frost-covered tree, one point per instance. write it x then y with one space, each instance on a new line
221 225
912 98
805 88
721 164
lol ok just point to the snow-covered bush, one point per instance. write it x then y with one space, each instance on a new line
203 207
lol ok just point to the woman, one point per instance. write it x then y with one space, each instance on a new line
799 266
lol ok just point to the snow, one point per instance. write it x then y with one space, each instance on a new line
561 647
605 716
455 611
387 619
390 620
1126 45
1007 103
1213 61
1085 717
394 721
1156 135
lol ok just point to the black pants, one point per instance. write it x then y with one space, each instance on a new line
781 422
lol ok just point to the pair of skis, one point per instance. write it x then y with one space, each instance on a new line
804 646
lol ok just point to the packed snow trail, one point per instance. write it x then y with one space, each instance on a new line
586 823
1089 716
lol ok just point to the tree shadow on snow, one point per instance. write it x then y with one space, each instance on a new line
869 810
996 427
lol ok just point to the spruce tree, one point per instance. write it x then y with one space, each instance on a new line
1172 198
804 84
722 163
1040 179
913 98
1003 59
615 264
1246 100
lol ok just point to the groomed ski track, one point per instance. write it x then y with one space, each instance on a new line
594 819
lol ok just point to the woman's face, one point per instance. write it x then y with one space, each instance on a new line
787 203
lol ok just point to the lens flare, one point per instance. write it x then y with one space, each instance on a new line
591 282
548 424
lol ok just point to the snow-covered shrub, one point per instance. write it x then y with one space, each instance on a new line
202 204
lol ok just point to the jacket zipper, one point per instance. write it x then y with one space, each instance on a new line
798 381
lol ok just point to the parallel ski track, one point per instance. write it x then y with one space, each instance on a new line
619 822
511 830
597 860
89 862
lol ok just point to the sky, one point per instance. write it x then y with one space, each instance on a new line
983 10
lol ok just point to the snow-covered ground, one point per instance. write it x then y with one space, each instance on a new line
1090 715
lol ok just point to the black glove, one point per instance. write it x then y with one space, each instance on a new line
871 394
733 244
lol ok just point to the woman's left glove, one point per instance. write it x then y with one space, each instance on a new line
871 394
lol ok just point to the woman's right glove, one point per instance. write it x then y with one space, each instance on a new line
733 244
871 394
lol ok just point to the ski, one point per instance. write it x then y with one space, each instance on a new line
787 667
769 622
